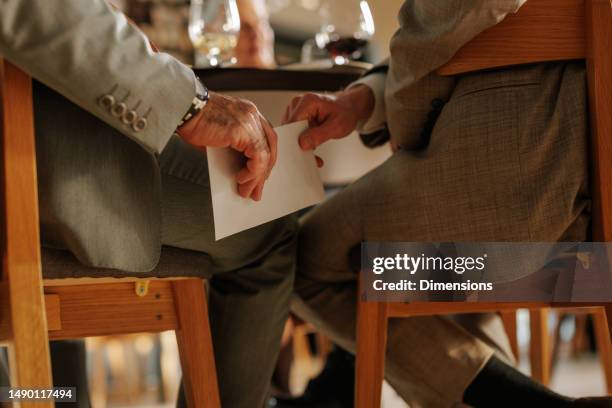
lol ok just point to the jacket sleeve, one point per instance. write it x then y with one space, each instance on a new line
86 51
430 33
373 131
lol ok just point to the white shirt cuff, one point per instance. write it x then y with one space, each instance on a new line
377 120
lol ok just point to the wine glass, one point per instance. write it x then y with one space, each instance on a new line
346 28
214 26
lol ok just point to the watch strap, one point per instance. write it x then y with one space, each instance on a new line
197 104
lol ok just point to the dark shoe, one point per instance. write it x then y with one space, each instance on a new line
336 382
593 402
332 388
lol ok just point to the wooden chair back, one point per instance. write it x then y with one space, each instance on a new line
542 30
32 311
553 30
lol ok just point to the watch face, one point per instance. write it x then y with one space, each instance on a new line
201 90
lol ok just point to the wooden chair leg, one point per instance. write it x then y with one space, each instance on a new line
509 321
579 342
602 337
98 388
22 291
608 312
539 351
195 344
372 322
29 358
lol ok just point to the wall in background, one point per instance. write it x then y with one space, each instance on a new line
164 22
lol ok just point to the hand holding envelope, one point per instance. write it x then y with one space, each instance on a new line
237 124
293 184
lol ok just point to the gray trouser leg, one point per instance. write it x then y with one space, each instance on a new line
251 281
430 360
4 373
68 362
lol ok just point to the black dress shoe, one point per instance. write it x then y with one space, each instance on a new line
332 388
593 402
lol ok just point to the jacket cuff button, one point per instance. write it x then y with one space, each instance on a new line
119 109
107 102
139 125
129 117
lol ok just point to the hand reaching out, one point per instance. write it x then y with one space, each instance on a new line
332 116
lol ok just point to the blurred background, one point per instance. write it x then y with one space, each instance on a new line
143 370
294 23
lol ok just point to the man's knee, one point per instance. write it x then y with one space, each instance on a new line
273 242
329 240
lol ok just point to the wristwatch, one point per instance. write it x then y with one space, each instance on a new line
198 103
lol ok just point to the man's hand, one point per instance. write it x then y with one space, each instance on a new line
236 123
332 116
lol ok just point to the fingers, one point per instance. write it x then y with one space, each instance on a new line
315 136
245 175
305 107
251 178
246 190
252 189
285 118
294 102
327 119
272 139
258 192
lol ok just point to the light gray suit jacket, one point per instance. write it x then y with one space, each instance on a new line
430 33
99 182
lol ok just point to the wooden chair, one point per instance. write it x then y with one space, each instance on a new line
541 344
542 30
32 311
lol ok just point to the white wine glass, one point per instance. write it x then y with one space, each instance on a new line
346 28
214 26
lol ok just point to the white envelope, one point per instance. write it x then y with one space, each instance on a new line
293 184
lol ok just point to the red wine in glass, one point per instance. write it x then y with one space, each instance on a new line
347 47
346 27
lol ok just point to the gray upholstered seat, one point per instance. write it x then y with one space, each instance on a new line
174 262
